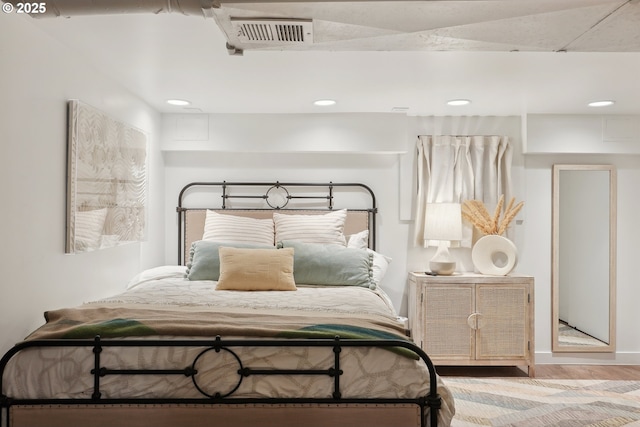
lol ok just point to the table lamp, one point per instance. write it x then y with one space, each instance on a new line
444 224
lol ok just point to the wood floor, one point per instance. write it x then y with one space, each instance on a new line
576 372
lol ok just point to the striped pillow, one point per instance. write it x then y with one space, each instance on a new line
327 228
232 228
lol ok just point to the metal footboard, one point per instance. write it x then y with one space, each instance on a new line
431 402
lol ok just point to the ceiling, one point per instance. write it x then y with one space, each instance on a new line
498 25
506 56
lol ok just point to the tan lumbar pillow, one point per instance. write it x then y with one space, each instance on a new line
243 269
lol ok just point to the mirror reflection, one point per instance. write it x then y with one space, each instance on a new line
583 283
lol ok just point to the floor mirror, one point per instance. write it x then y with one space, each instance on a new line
584 258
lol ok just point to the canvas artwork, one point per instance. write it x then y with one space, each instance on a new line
106 180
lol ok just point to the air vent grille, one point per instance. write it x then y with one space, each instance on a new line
273 31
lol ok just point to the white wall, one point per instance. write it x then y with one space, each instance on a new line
284 133
582 133
38 76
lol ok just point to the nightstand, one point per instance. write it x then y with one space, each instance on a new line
471 319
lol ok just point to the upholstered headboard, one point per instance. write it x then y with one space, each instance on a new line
261 200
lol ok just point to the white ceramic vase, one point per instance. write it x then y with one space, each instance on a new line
495 255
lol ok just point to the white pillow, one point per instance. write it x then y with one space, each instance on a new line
359 240
327 228
379 266
233 228
155 273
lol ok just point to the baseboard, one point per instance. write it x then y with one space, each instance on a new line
619 358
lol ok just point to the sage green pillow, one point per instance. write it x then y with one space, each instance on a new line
204 259
330 265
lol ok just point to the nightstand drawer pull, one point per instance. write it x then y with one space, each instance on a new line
472 321
475 321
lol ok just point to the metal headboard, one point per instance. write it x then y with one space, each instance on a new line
278 196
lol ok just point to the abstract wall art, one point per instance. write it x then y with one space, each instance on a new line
106 180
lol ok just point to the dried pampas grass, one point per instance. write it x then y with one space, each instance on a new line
477 214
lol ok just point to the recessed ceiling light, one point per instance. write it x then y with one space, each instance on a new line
324 102
178 102
601 103
458 102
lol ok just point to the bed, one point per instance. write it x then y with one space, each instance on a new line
273 316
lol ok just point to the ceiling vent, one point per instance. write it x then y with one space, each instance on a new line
273 31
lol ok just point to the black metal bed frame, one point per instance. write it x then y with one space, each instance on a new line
226 195
431 401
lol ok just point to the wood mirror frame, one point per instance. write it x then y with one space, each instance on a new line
580 199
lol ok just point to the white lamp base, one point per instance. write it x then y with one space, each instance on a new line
442 263
442 268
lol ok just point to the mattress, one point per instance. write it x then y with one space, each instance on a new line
65 372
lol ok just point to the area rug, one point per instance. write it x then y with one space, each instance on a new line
524 402
571 336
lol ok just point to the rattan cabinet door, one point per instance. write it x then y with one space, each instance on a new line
502 321
446 330
470 319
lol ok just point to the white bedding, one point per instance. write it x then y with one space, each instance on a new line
372 373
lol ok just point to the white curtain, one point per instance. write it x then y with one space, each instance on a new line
452 169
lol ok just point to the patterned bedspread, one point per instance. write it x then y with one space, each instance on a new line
175 307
